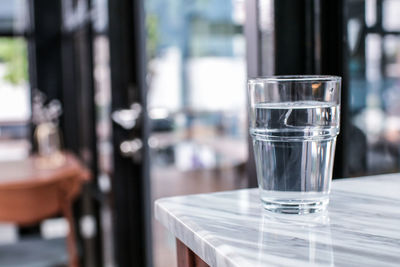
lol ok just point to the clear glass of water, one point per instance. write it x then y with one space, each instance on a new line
294 122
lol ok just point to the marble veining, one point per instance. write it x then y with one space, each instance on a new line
360 228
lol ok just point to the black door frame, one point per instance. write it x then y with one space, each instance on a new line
61 66
131 183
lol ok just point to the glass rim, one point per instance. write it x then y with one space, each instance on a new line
295 78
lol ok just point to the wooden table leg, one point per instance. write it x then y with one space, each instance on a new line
186 257
71 238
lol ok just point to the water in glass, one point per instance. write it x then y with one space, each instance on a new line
294 145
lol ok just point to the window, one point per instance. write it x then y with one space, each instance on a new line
14 86
374 64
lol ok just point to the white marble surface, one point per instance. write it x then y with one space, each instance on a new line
360 228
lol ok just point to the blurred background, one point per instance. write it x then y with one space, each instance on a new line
147 99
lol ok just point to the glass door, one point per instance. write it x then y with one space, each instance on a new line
196 74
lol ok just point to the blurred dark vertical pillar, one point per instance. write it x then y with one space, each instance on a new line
80 128
334 56
51 58
80 119
46 56
131 181
290 38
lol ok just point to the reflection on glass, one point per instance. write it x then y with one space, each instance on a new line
289 240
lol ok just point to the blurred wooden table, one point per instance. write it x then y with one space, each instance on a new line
29 193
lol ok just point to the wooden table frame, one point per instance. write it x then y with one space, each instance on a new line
29 194
186 257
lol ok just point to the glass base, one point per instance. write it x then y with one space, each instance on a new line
295 207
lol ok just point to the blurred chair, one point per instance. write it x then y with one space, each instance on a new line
29 194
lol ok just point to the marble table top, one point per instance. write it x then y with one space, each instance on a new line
360 228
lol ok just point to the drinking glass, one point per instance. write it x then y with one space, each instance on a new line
294 122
